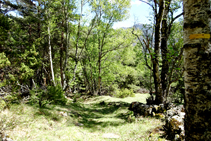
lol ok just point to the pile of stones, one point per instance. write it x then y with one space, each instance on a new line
174 123
172 114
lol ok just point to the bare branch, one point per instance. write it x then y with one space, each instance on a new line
172 21
149 5
147 46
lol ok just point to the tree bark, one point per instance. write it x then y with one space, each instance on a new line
197 56
164 52
156 74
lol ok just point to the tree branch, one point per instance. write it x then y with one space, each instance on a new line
154 9
172 21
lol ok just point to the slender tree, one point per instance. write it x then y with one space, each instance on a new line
163 12
197 59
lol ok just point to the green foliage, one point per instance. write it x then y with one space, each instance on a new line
87 50
76 97
2 104
26 72
56 95
38 96
7 101
124 93
133 87
3 83
4 62
4 27
53 95
130 117
11 98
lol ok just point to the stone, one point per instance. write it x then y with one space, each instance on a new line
4 137
175 123
174 117
79 124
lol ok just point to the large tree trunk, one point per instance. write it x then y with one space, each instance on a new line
197 56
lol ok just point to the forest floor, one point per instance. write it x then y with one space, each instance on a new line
102 118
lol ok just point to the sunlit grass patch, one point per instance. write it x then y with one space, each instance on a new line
80 121
138 97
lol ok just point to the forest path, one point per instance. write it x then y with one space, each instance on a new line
101 118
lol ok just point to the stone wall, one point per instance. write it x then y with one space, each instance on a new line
173 116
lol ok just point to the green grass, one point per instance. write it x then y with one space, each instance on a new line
84 121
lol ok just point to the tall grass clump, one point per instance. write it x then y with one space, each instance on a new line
51 95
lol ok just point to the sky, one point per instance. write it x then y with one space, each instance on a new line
139 13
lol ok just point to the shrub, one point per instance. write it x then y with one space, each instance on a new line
56 95
53 94
134 87
6 101
39 96
125 93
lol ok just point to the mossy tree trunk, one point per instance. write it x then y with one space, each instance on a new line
197 57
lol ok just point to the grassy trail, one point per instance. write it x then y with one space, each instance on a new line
91 120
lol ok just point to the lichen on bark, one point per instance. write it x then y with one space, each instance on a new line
197 57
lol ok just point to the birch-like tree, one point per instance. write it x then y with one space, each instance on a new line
197 59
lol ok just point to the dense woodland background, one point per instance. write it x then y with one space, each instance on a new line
56 52
71 46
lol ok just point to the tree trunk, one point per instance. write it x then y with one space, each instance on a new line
61 59
50 56
197 56
164 51
66 86
156 74
99 69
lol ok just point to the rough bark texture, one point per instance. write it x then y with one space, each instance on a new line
197 56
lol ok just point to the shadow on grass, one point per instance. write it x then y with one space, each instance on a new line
97 115
48 113
93 116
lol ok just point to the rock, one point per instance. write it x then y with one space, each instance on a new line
79 124
174 117
161 108
4 137
110 136
181 108
7 139
175 123
64 114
